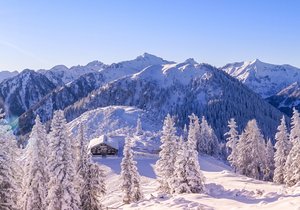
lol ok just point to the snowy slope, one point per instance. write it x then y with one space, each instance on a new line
287 98
120 121
182 89
224 190
80 87
125 68
61 74
7 74
263 78
21 92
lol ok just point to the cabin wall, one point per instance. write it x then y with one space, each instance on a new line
104 149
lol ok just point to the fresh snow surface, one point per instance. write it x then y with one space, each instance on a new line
61 73
168 74
126 68
263 78
224 189
116 122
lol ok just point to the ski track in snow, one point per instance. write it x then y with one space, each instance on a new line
224 189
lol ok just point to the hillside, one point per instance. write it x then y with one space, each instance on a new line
263 78
224 189
85 80
181 89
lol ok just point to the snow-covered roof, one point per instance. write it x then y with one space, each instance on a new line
112 141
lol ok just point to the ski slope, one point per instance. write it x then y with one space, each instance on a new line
224 189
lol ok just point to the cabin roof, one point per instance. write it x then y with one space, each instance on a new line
108 140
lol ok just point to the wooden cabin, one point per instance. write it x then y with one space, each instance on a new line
104 146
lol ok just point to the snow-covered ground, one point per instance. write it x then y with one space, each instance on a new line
225 189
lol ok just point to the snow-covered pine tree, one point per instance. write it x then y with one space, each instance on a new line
185 132
136 191
61 166
213 144
129 174
36 177
81 156
292 166
12 155
178 182
251 150
295 126
200 131
139 129
10 171
269 170
165 165
283 147
93 189
232 139
195 178
89 175
208 141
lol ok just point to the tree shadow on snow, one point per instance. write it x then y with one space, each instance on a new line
243 196
144 165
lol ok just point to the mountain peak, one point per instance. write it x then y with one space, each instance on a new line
256 62
191 61
95 63
148 56
59 68
27 71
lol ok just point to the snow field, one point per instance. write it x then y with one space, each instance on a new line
224 189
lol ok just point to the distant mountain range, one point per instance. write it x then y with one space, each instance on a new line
157 87
278 84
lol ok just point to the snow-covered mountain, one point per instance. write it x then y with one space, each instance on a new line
148 82
287 98
263 78
121 69
182 89
21 92
61 74
69 93
7 74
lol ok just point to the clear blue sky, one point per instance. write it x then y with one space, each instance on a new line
42 33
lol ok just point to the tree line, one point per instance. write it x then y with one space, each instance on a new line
54 172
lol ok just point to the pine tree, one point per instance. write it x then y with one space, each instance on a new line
36 177
269 170
89 175
292 167
200 131
61 165
165 165
251 159
283 147
10 173
93 189
8 182
208 141
82 157
195 178
185 132
139 129
178 182
232 139
295 126
130 176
